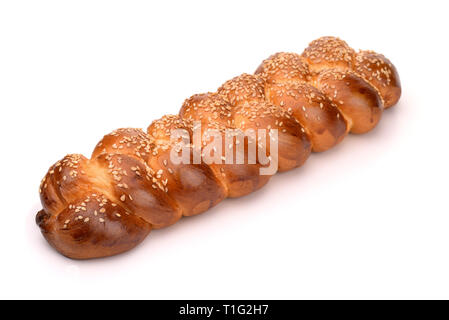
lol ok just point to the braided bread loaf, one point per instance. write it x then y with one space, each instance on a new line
108 204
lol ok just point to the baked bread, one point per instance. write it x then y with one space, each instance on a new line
109 203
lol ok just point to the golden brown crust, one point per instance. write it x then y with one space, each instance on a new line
130 141
252 111
108 204
381 73
359 101
320 118
211 109
246 88
122 158
194 187
139 188
284 67
92 227
160 130
294 145
216 115
64 179
329 53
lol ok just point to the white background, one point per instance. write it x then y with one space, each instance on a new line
367 219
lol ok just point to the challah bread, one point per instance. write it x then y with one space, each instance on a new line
109 203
